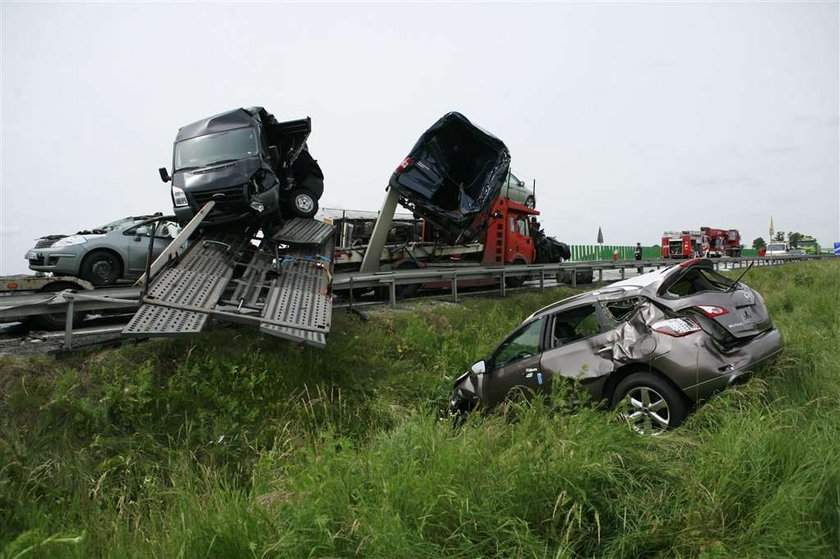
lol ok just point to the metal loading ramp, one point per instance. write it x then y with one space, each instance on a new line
281 285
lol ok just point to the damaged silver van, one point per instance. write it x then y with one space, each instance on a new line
651 346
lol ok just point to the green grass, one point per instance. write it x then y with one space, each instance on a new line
236 445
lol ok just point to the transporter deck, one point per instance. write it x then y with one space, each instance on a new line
281 285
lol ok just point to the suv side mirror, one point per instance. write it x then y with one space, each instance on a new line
164 174
479 368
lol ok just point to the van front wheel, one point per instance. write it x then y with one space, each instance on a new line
303 203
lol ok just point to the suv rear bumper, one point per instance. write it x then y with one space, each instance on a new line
760 352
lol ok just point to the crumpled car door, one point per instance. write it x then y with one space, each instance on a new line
578 359
515 365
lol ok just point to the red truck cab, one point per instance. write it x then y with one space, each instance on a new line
509 239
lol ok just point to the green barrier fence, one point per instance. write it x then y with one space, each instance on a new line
605 252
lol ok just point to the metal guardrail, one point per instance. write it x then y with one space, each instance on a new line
452 274
19 306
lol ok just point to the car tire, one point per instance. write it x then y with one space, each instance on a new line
101 267
649 403
303 203
56 321
515 281
406 291
530 202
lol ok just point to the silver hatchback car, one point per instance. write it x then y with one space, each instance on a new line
515 189
105 254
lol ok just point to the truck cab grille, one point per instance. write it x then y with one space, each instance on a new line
223 196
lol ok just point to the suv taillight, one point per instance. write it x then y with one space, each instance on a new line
404 165
712 311
675 327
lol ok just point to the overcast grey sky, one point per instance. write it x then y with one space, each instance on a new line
636 117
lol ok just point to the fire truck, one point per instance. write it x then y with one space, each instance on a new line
723 242
682 244
706 242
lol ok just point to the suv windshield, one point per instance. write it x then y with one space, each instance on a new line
214 148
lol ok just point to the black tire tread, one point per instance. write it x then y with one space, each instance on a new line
678 404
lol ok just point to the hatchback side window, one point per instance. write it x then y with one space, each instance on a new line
523 344
575 324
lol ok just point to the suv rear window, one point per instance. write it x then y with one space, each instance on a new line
697 280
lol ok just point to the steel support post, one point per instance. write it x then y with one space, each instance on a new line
370 262
68 323
455 286
502 283
177 243
392 292
542 279
574 277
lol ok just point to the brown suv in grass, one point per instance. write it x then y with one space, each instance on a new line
652 346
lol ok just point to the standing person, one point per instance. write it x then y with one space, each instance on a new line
638 254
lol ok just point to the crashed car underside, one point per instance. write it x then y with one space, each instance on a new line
452 175
653 346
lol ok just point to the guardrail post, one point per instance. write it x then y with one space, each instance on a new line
622 272
574 277
68 323
542 279
351 293
502 283
455 286
600 275
392 292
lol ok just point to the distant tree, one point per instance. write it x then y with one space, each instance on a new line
780 236
759 244
794 238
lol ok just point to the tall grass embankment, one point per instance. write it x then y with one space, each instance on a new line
236 445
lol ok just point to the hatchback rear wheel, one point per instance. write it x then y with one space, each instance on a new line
650 404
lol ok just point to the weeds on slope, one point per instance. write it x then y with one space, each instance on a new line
235 445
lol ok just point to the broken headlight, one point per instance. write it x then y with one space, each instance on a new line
179 197
69 241
261 181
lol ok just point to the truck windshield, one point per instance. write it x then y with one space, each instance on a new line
215 148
